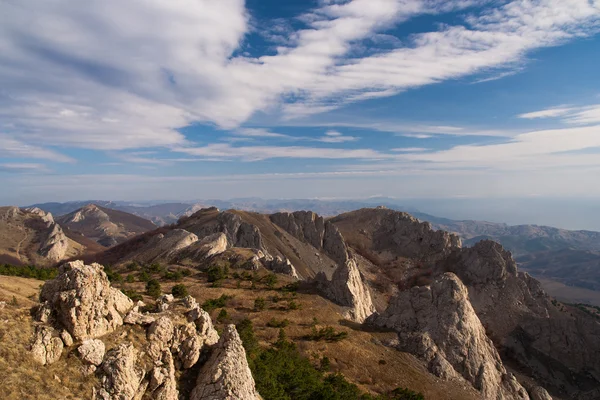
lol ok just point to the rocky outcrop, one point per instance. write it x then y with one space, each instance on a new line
55 245
83 301
238 232
207 247
47 347
346 287
121 377
438 324
226 375
165 246
539 393
279 265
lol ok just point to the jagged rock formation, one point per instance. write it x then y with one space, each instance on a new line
346 286
106 226
238 232
207 247
438 323
83 301
226 375
277 264
55 245
165 246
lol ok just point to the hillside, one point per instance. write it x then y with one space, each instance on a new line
105 226
31 236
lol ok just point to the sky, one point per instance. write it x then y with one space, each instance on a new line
189 99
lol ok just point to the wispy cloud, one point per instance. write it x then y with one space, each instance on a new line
336 137
23 168
11 147
580 115
548 113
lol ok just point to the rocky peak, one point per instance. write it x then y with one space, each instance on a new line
438 324
83 301
55 244
226 375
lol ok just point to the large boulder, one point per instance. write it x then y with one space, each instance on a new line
226 375
438 324
92 351
84 302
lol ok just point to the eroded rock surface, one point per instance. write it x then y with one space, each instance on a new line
47 347
121 376
92 351
84 302
438 324
226 375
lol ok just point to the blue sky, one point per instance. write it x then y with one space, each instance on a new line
193 99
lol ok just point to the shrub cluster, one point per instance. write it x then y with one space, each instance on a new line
212 304
179 291
28 271
282 373
328 334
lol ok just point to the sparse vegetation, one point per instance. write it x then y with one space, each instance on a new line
28 271
278 323
292 305
327 333
282 373
179 291
223 315
132 294
259 304
172 276
270 280
212 304
216 274
153 288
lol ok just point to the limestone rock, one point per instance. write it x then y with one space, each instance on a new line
42 312
163 385
46 348
207 247
121 378
204 325
92 351
438 324
226 375
66 338
281 266
2 304
84 302
54 247
539 393
165 246
348 289
189 301
160 335
137 318
187 344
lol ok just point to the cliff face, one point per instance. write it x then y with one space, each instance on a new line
346 286
438 324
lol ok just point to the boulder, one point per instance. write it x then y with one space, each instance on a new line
204 325
226 375
66 338
162 384
46 348
539 393
92 351
84 302
281 266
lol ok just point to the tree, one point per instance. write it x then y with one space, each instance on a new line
259 304
153 288
179 291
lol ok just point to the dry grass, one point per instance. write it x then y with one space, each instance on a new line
20 376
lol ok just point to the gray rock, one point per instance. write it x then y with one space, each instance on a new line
84 302
121 378
92 351
46 348
226 375
438 324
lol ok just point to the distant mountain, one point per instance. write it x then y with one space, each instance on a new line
105 226
32 236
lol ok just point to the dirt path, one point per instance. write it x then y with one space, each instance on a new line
19 246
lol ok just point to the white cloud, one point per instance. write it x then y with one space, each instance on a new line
549 113
410 149
336 137
255 153
23 167
13 148
109 74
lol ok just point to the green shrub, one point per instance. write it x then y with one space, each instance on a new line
155 268
291 287
259 304
132 266
328 334
179 291
292 305
270 280
212 304
278 323
216 273
130 278
325 364
186 272
172 276
28 271
153 288
144 276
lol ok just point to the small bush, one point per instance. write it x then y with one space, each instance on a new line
327 334
153 288
259 304
270 280
325 364
130 278
155 268
132 266
186 272
179 291
292 305
278 323
212 304
144 276
405 394
217 273
173 276
291 287
223 315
